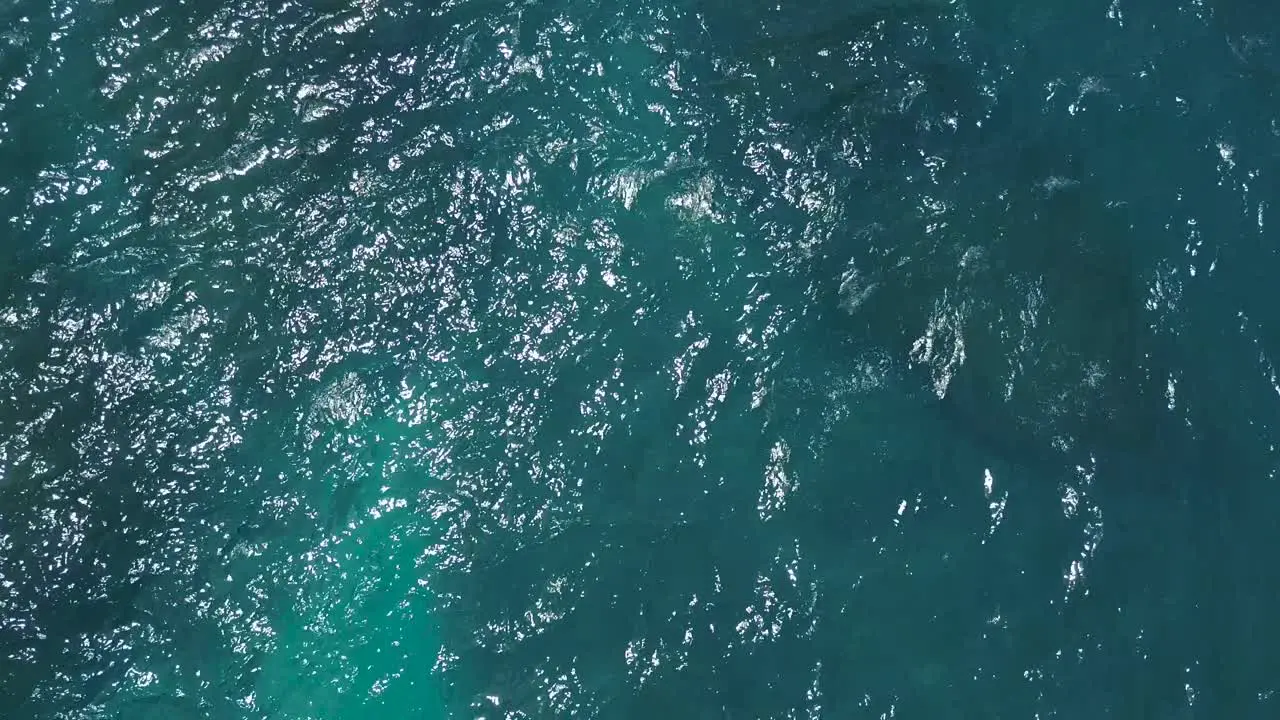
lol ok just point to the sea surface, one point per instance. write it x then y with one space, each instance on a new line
677 359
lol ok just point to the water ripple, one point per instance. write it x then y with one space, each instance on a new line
719 360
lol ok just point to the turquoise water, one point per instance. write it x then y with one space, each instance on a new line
884 359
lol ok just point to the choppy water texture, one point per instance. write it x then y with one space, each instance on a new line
884 358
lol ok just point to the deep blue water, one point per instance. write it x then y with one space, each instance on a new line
872 359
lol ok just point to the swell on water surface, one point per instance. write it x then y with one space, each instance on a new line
478 359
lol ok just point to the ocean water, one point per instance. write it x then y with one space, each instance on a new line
481 359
